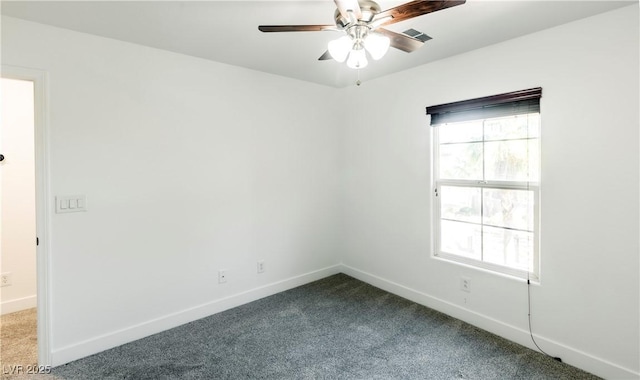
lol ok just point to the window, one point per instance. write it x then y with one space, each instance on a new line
486 171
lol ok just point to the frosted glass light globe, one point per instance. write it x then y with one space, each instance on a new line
377 45
340 48
357 59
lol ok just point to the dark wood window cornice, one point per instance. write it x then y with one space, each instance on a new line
511 103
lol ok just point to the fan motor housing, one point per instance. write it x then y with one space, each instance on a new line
368 9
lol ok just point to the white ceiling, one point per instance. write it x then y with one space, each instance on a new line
227 31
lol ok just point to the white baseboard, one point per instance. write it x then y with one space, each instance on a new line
116 338
19 304
569 355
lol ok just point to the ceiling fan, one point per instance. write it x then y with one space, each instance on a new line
363 21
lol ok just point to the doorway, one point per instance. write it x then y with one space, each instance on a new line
18 291
24 266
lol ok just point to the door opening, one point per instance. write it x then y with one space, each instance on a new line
23 220
18 291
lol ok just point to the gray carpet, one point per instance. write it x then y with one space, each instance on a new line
335 328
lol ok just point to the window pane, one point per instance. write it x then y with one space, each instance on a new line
461 238
461 161
512 127
508 248
460 203
461 132
509 208
511 160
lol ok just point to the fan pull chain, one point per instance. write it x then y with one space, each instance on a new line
358 82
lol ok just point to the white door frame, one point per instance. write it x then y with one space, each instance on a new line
39 79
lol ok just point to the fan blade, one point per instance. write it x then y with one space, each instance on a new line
401 41
295 28
326 56
344 6
415 8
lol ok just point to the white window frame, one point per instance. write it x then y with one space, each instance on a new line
522 102
534 273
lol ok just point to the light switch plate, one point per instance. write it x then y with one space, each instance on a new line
71 203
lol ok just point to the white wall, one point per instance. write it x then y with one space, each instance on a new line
17 179
188 166
586 308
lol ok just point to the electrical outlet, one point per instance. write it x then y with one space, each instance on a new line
260 266
5 279
465 284
222 276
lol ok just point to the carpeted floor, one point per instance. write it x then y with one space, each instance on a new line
18 338
19 346
335 328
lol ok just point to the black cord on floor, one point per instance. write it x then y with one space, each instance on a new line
530 329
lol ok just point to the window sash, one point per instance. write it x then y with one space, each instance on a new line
533 272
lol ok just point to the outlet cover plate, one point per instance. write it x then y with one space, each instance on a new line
5 279
222 276
465 284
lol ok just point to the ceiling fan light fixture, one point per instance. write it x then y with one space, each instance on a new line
340 48
362 21
357 59
377 45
